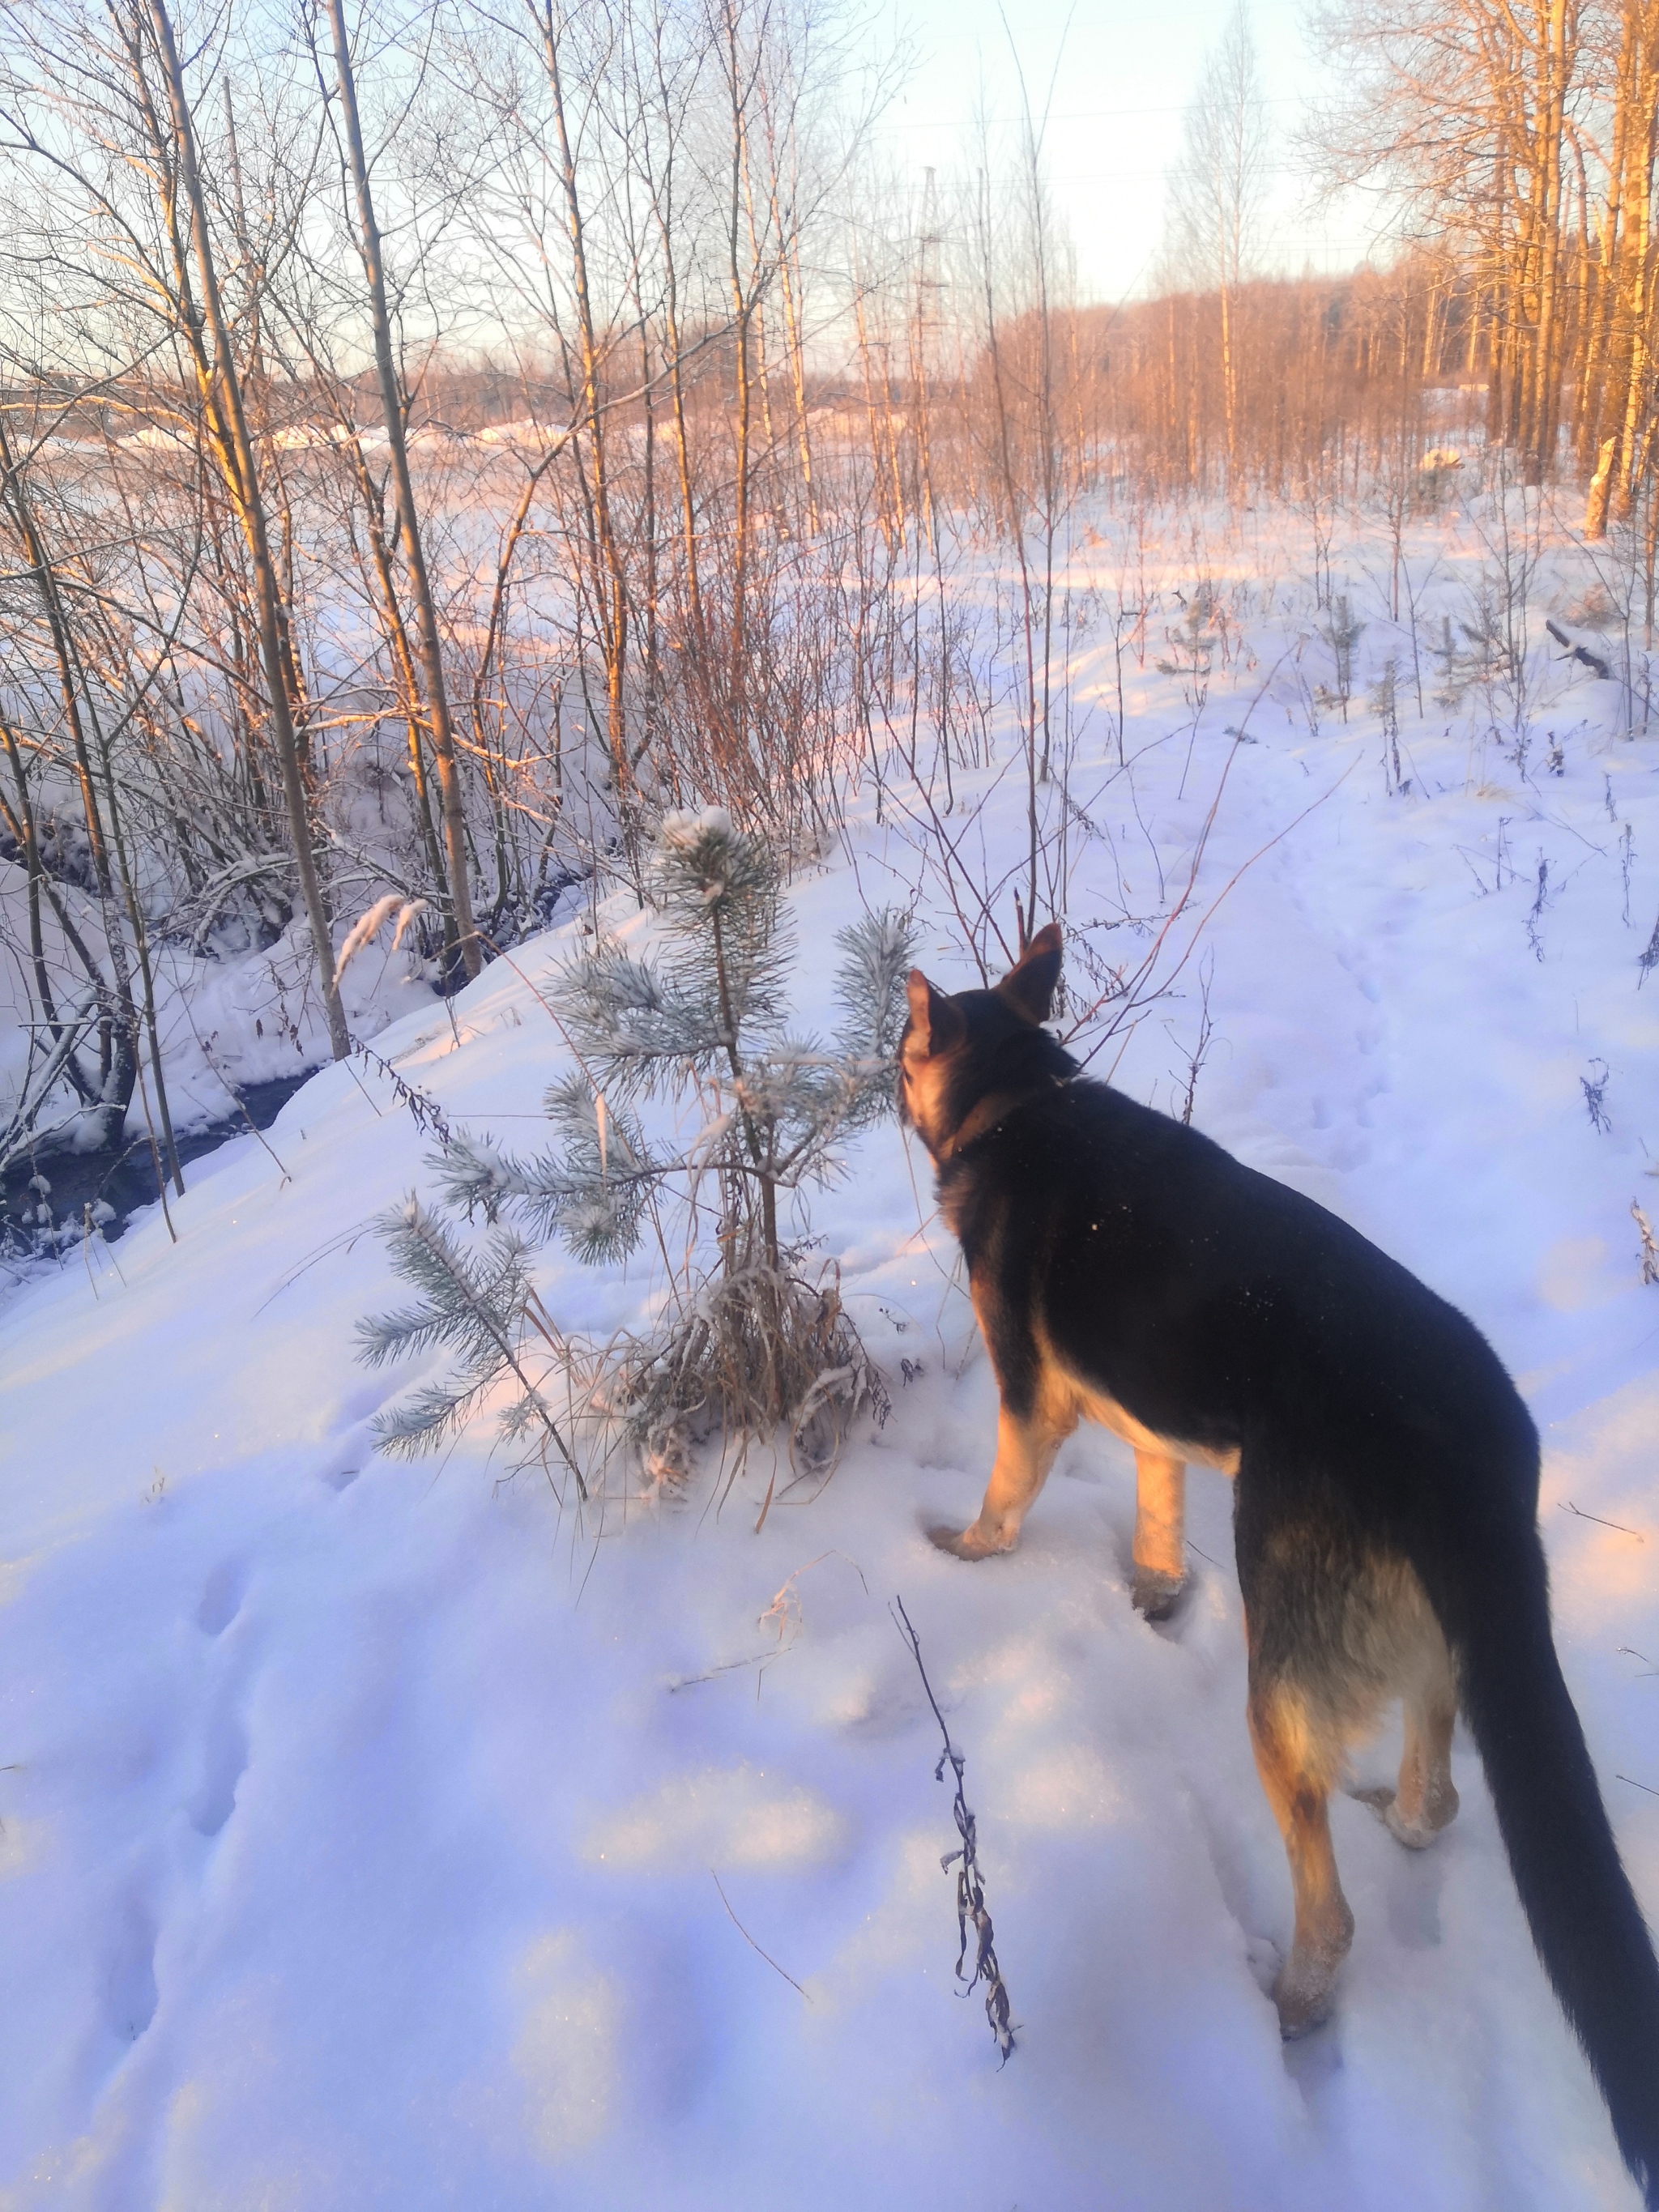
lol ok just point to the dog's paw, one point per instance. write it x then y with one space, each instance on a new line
964 1543
1155 1594
1414 1835
1305 1999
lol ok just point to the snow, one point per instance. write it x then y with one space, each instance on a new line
377 1835
223 1025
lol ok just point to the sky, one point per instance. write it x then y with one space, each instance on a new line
1122 73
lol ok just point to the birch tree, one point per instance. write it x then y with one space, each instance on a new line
1215 189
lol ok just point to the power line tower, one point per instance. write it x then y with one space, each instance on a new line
930 283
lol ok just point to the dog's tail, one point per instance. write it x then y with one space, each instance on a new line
1583 1915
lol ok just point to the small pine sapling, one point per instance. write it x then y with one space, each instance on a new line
1196 639
749 1342
1341 630
1480 660
754 1344
709 1015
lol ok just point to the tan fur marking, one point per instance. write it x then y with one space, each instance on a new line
1160 1546
1062 1399
1289 1758
1425 1799
1389 1645
1098 1407
1402 1653
1025 1452
922 1076
1095 1405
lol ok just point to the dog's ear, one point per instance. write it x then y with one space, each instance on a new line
1029 986
936 1022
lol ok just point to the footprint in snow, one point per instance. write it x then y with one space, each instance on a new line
128 1978
221 1598
1314 2061
224 1764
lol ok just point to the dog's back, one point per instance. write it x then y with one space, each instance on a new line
1125 1268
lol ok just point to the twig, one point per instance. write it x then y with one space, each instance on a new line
750 1940
1567 1506
237 1099
726 1667
343 1242
970 1888
424 1110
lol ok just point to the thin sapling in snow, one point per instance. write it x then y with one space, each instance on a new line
1385 704
746 1340
1341 630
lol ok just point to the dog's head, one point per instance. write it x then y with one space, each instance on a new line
958 1048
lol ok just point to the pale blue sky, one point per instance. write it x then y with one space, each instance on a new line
1127 69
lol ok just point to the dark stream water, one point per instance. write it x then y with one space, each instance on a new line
125 1178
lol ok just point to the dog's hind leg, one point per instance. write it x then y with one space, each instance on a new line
1298 1767
1414 1660
1160 1545
1425 1800
1025 1451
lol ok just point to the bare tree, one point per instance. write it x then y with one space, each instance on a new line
1215 192
394 405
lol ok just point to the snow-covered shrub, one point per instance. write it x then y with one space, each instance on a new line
30 1231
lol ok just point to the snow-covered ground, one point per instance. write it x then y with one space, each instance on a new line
379 1835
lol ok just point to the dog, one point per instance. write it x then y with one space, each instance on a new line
1125 1269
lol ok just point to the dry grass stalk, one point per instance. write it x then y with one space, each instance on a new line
971 1910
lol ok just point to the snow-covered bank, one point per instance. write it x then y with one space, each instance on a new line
362 1824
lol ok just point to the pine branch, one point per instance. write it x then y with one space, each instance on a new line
479 1316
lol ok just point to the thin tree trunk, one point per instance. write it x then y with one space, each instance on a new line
222 391
392 404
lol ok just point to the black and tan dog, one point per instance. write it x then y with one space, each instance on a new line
1126 1269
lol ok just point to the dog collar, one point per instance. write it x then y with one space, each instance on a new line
991 1113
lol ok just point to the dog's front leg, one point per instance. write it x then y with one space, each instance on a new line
1160 1544
1026 1445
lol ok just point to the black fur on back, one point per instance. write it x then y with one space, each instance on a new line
1372 1421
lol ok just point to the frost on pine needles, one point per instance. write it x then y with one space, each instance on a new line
474 1306
592 1187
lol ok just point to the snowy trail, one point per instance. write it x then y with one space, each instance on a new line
360 1822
